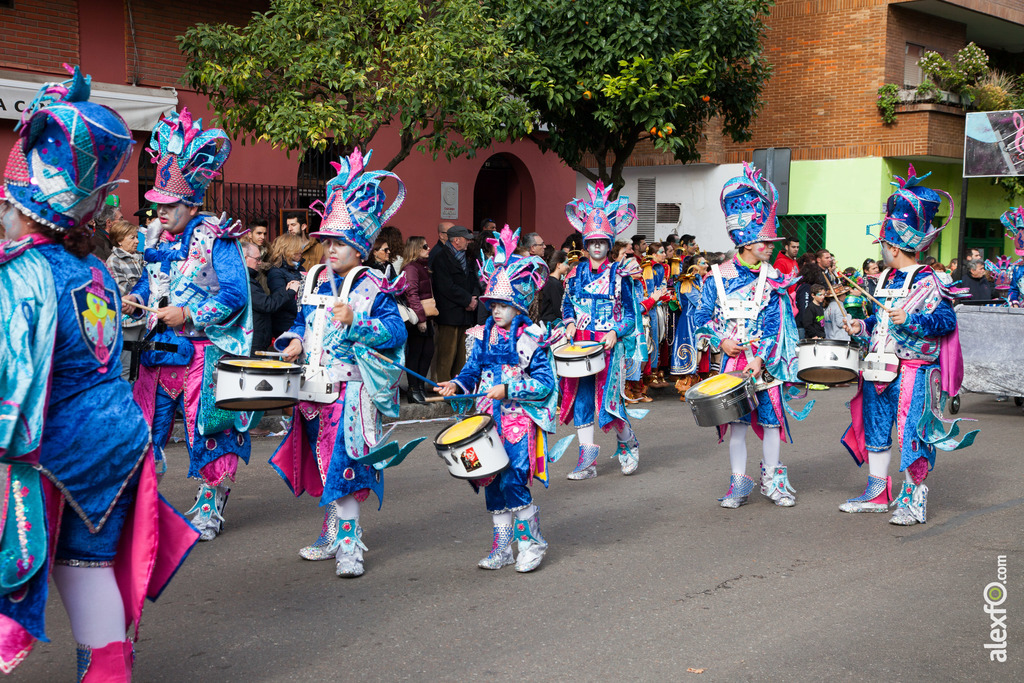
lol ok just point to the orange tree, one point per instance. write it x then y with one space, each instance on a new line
604 75
309 70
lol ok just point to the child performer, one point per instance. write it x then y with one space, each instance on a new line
79 494
334 338
1013 219
198 260
512 364
745 312
598 306
913 365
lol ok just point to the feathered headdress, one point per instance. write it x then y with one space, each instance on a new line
70 155
187 158
1013 219
909 212
1002 270
509 278
600 218
356 207
749 203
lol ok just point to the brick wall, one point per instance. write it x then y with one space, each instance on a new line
934 33
157 25
39 35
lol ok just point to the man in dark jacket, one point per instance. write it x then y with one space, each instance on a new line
263 304
979 286
454 280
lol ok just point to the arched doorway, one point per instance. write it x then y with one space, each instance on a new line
504 193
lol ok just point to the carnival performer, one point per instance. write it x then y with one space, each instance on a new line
197 279
1013 220
745 313
511 363
686 354
80 501
337 337
913 364
656 281
598 306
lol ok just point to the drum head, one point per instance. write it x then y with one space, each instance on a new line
463 430
268 366
576 351
713 386
828 376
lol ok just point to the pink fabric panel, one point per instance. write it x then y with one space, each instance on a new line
327 436
144 392
918 470
224 467
193 388
854 436
951 362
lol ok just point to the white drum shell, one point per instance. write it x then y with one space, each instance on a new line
476 457
580 366
827 362
317 387
251 388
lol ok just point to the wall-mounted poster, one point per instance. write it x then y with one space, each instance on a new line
994 144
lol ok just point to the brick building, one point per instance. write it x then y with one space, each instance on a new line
829 59
129 48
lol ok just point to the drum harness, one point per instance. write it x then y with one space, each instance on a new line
317 384
744 311
883 366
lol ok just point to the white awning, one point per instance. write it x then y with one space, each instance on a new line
140 107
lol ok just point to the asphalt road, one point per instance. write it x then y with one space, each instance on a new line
647 578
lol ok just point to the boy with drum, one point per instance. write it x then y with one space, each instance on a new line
913 364
197 279
339 327
745 313
511 364
599 306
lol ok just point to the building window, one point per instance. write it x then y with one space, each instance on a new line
646 207
810 230
912 75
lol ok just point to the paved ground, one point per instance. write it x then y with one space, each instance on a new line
646 577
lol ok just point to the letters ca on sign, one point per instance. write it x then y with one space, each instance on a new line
16 105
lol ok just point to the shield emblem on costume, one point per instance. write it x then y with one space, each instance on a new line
97 320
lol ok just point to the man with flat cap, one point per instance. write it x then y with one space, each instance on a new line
454 279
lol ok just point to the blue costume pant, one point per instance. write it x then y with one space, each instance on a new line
75 542
202 449
344 476
765 411
583 408
510 489
882 410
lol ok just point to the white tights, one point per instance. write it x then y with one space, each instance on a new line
771 446
878 463
93 603
585 434
347 507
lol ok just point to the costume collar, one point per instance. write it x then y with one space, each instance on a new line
755 267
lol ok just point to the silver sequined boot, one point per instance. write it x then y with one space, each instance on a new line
585 468
325 547
501 549
875 498
775 485
349 559
628 453
209 510
911 505
740 486
532 545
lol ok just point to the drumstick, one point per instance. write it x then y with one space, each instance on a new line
274 354
836 297
384 358
131 302
436 399
862 291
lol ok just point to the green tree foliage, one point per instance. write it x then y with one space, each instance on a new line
605 75
307 71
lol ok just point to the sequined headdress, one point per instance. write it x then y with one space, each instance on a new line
1002 271
749 202
70 155
909 212
356 207
509 278
600 217
1013 219
187 158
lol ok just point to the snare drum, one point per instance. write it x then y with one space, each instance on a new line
827 361
573 360
472 449
255 384
722 399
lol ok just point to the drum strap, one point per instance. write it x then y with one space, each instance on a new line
323 304
730 310
891 295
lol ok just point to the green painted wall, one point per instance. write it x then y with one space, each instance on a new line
851 193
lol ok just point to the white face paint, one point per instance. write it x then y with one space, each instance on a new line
174 218
341 257
888 255
503 315
759 251
598 249
12 223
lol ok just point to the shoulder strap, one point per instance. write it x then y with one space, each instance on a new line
719 285
762 280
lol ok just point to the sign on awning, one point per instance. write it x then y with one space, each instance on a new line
141 108
994 144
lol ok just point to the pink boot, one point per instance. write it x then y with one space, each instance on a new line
111 663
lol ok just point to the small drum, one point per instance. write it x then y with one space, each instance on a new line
827 361
472 448
573 360
255 384
722 399
880 367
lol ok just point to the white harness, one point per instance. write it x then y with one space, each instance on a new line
744 310
883 366
318 383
